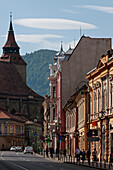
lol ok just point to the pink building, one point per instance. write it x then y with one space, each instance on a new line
57 123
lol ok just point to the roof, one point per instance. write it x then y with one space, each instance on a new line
12 57
10 47
5 115
32 123
11 39
68 53
60 53
11 82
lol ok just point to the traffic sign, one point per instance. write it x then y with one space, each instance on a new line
89 134
91 139
35 134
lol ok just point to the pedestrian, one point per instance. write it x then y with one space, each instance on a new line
94 155
57 152
83 155
47 151
51 152
88 156
78 154
64 152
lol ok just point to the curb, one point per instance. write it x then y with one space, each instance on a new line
86 165
59 161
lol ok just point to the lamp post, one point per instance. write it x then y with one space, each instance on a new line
82 88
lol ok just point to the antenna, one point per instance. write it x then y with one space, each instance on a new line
10 16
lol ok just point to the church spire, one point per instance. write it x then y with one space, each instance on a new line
11 43
10 27
61 47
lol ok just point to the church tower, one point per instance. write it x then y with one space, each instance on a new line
11 53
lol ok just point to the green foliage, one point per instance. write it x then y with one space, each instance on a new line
38 70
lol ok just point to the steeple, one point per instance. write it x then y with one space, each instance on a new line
61 47
10 27
11 45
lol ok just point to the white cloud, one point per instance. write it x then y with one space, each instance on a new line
99 8
69 11
55 24
35 38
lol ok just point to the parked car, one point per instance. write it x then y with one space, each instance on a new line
12 148
28 149
18 149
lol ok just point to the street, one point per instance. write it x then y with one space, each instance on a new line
20 161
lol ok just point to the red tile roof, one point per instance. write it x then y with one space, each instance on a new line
5 115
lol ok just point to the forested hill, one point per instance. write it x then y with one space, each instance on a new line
38 70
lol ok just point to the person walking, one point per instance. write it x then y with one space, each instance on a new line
78 154
47 151
94 155
88 156
64 152
83 156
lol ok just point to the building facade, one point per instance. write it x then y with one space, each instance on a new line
57 118
74 70
46 121
11 130
101 102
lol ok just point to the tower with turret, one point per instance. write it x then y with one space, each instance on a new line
11 53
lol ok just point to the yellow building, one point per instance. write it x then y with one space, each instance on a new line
101 105
46 120
76 111
11 130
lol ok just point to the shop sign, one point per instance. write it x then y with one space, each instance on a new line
91 139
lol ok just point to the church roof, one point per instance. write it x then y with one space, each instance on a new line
11 82
11 49
11 38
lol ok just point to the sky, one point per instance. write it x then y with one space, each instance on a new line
44 24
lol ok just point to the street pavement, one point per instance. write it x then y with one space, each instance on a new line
20 161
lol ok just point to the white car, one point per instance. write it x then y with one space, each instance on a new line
28 149
18 149
13 148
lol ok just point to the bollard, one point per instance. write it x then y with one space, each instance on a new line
64 158
71 159
92 163
100 164
109 166
96 164
104 164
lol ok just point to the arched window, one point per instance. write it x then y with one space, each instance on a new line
54 113
111 98
94 104
98 101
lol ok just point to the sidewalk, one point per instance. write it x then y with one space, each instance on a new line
72 160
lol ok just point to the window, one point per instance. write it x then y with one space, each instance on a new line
11 129
67 123
0 129
94 104
53 113
5 129
54 92
81 111
111 95
98 101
